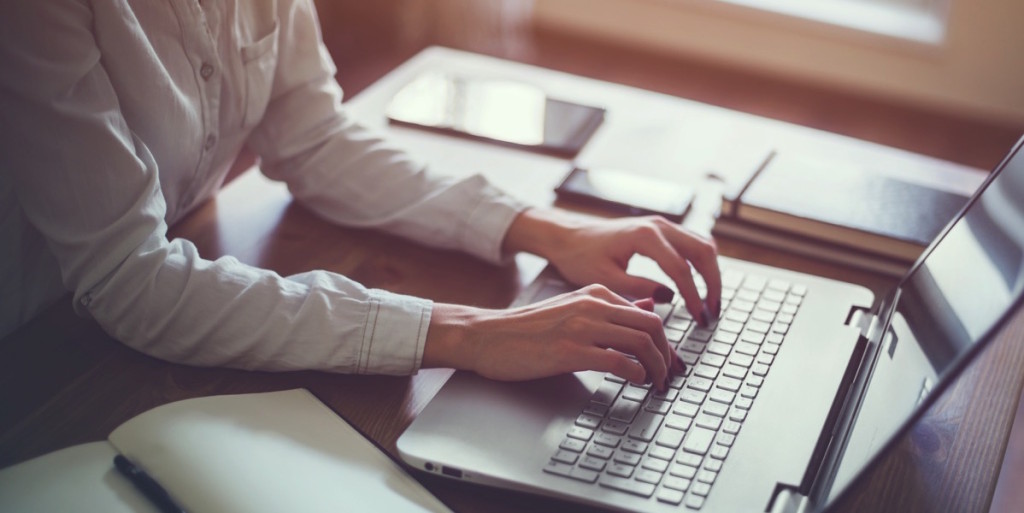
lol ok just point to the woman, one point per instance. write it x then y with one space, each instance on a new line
120 117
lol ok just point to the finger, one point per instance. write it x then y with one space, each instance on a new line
704 257
658 248
640 334
605 360
646 304
633 286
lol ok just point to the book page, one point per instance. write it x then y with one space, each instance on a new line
271 452
81 478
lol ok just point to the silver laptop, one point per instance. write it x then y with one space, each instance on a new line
798 388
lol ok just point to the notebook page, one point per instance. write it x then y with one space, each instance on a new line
271 452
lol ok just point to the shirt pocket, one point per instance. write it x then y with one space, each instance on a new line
259 60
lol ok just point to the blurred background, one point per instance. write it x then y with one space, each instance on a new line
938 77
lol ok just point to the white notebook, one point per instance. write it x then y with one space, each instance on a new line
269 452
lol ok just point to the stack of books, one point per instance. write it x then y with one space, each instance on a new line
848 213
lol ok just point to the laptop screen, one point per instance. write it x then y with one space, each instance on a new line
948 302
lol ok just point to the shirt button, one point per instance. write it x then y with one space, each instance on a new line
206 71
210 141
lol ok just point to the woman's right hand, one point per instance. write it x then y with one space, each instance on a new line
588 329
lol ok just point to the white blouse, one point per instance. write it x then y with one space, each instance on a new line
121 116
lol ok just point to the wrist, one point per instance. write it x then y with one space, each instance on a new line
449 341
540 231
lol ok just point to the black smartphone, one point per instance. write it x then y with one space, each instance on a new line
625 192
506 112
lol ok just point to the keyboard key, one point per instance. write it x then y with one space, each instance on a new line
741 359
606 439
708 421
716 409
762 315
688 358
741 305
735 315
606 392
702 489
647 476
701 334
645 426
614 379
670 437
706 371
670 496
778 284
788 309
748 391
706 476
752 337
694 501
634 393
755 381
719 348
714 360
730 384
692 396
755 282
677 382
627 485
734 371
634 446
698 439
580 433
765 358
771 349
746 348
686 409
719 452
793 299
683 471
561 469
722 396
748 295
667 395
592 463
597 409
774 338
619 469
738 415
731 427
729 326
759 327
679 324
712 464
600 451
774 295
725 439
771 306
799 290
583 474
785 318
674 335
759 369
564 456
699 383
662 453
744 403
623 410
692 460
693 346
572 444
780 327
658 406
627 458
615 427
588 421
678 421
676 483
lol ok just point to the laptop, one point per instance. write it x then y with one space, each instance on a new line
800 386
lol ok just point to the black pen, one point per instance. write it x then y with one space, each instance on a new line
150 488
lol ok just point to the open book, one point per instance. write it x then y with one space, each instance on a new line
270 452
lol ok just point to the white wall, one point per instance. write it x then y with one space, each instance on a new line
977 72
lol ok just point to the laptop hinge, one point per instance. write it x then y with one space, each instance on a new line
867 322
789 500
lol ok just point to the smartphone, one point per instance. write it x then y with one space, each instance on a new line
506 112
628 193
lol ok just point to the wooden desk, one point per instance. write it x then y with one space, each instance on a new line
65 382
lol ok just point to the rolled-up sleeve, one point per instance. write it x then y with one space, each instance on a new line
351 175
91 188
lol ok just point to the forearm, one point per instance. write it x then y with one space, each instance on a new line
541 231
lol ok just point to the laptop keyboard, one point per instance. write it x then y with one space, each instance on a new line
672 445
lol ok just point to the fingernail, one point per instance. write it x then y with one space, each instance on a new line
703 318
663 294
664 386
718 309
